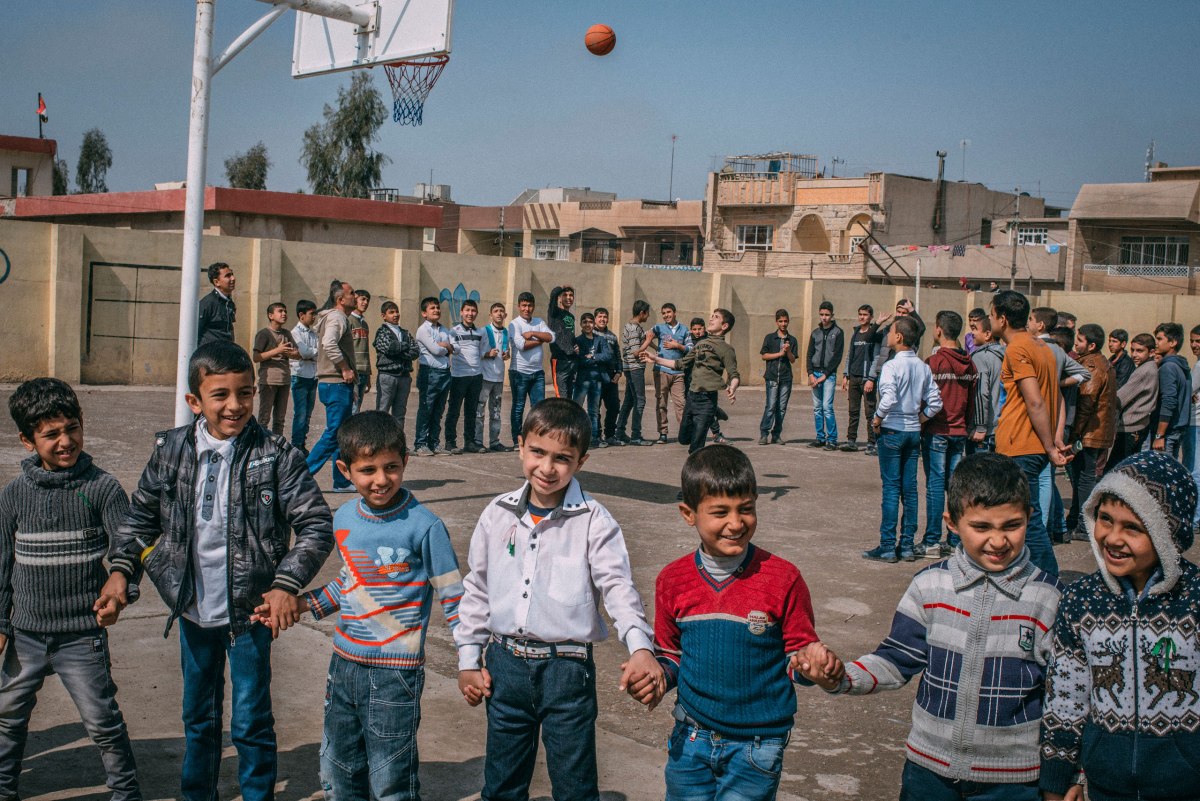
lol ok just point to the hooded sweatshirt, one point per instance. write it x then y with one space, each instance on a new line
562 325
1174 393
955 376
989 390
1122 704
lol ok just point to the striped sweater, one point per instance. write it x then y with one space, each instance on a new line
54 533
393 562
983 641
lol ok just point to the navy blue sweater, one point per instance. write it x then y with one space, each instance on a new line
1174 393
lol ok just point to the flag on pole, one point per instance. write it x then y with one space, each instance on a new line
41 109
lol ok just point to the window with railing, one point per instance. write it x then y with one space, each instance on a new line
1159 250
1032 236
753 237
551 249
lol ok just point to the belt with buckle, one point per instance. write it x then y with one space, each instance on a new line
536 649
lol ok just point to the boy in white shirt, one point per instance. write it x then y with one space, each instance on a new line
466 380
433 378
526 378
304 372
495 354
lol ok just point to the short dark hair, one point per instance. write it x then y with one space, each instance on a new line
1196 330
369 433
362 293
980 317
430 301
496 305
782 313
1047 316
336 287
950 322
868 308
587 316
387 306
1063 337
1065 317
559 417
825 306
988 480
1145 340
40 399
526 297
304 306
1012 306
977 313
696 321
1172 331
1121 335
217 358
600 310
910 333
1093 333
276 305
727 316
468 302
717 470
670 306
214 270
640 307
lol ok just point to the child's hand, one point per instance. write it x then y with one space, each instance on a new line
113 598
475 685
1073 794
643 678
279 610
819 665
3 642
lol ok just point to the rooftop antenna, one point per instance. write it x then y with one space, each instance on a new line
833 169
964 144
1149 159
671 180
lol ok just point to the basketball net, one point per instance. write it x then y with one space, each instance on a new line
411 81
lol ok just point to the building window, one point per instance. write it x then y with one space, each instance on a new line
1032 236
20 182
754 237
985 232
855 241
518 249
1169 250
551 249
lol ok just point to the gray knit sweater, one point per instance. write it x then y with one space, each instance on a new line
54 533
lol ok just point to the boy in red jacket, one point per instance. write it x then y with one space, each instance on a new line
944 436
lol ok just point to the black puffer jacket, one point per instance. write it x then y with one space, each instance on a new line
271 495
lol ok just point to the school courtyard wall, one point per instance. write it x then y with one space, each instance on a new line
100 305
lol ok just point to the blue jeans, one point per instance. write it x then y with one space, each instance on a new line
203 653
823 416
634 403
587 395
1191 449
337 399
940 455
922 784
82 662
556 696
898 455
1037 539
522 385
1050 500
775 407
304 395
707 766
369 748
433 390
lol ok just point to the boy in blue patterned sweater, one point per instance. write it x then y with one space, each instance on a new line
1122 701
977 625
397 555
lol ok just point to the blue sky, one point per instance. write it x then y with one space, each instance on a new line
1049 94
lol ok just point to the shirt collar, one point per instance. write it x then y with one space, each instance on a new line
573 502
206 442
1011 580
1131 594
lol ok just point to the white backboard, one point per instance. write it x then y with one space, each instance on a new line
404 29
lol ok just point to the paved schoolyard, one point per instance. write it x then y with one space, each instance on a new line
817 509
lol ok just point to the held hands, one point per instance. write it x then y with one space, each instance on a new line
977 436
279 611
475 685
1073 794
643 678
113 598
817 663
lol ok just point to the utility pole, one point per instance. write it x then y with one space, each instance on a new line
1016 238
963 144
1149 158
833 169
671 181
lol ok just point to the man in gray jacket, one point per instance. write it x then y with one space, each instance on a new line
336 379
988 359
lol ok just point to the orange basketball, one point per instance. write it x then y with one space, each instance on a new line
600 40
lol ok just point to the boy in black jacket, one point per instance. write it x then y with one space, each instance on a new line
395 351
211 522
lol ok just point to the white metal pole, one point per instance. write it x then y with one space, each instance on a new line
917 297
193 214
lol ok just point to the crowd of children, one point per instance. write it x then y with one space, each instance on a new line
1028 689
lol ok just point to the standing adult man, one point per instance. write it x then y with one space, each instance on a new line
859 357
336 379
825 348
217 310
564 362
526 378
779 353
673 342
362 345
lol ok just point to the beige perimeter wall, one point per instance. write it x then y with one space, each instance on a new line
100 305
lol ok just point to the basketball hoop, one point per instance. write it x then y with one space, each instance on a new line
412 79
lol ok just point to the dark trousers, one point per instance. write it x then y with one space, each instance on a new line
1126 444
858 398
610 399
563 374
1082 470
555 697
1041 552
464 392
634 403
698 416
433 388
922 784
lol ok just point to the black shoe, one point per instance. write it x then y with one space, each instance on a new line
616 441
817 443
721 414
500 447
662 438
871 451
776 441
850 446
881 554
473 448
831 446
908 556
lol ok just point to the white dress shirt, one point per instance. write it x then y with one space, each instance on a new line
210 606
306 344
526 360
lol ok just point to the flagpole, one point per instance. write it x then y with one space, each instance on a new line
41 116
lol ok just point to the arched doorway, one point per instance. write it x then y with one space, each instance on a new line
811 236
856 231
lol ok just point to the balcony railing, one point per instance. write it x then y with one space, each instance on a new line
1146 270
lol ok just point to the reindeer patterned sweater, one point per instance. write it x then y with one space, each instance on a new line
1122 698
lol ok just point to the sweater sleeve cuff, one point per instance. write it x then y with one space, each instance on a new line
1057 776
637 640
318 605
470 657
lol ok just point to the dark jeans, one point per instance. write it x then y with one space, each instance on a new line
587 395
361 387
1041 552
922 784
391 394
698 415
82 662
703 765
522 385
337 399
1173 444
563 375
899 452
203 653
857 399
369 748
610 397
555 696
634 403
940 455
304 396
1082 470
464 397
778 394
433 388
1126 444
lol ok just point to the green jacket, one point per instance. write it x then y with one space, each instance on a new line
709 361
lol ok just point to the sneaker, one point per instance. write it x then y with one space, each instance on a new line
616 442
347 488
438 450
871 451
456 451
720 439
601 443
923 551
762 440
881 554
908 556
422 451
662 438
641 442
817 443
831 446
945 550
473 448
499 447
776 440
850 446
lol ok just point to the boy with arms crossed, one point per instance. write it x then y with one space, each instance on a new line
495 354
273 347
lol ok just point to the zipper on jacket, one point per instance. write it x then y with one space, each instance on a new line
1137 703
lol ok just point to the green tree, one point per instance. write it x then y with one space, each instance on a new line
248 170
62 177
337 152
94 160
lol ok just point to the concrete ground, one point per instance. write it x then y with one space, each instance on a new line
820 510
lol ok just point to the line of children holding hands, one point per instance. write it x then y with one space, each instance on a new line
211 524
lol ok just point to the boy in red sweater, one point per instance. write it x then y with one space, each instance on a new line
944 436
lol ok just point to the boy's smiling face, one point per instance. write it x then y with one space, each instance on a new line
1124 543
377 477
993 536
725 523
226 400
57 441
549 463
